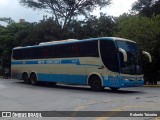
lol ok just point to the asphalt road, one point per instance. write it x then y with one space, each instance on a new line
17 96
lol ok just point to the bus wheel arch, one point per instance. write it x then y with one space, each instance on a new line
25 78
95 82
33 78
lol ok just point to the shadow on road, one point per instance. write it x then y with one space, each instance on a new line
67 87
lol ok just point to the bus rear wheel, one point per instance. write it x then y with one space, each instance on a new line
33 79
95 83
25 78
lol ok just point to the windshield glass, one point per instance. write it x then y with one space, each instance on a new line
133 64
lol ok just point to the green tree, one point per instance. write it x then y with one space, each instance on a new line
13 35
106 25
140 29
147 7
64 11
91 27
7 20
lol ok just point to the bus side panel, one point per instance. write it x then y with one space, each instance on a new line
66 73
15 72
77 74
64 78
67 70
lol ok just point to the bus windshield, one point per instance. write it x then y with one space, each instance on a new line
133 64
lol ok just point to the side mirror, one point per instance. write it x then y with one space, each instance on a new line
124 54
148 55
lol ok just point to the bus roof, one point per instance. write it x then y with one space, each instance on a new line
73 41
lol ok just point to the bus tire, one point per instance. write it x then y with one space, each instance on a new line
33 79
114 89
95 83
25 78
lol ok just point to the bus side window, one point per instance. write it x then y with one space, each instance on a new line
76 51
55 49
46 52
59 51
17 54
109 55
52 51
72 50
27 53
62 51
36 53
89 49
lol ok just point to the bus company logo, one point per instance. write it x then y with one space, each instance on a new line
6 114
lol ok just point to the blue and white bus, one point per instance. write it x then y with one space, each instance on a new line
98 62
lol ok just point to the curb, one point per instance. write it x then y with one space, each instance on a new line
151 85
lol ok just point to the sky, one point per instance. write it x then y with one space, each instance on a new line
12 8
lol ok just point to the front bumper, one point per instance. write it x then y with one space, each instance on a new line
122 82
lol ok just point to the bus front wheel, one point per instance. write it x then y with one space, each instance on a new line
33 79
95 83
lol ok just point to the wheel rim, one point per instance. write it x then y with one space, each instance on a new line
96 83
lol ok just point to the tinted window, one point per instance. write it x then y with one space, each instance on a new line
89 49
59 51
73 50
81 49
36 53
14 54
26 53
109 55
46 52
17 54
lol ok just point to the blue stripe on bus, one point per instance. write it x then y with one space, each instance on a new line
17 62
82 80
65 78
31 62
72 61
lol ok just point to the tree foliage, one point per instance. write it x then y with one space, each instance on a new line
140 29
7 20
13 35
147 7
65 10
92 27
